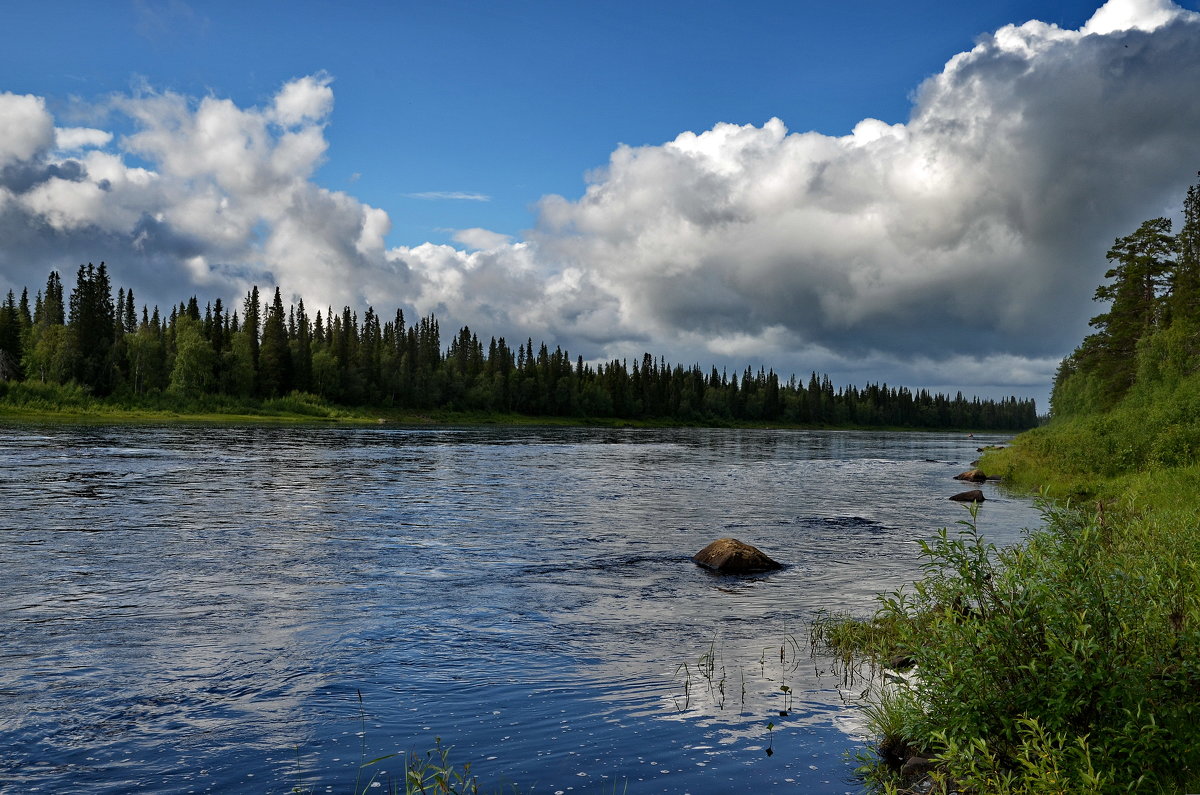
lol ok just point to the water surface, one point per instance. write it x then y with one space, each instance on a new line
199 609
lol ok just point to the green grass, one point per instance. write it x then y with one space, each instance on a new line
1071 662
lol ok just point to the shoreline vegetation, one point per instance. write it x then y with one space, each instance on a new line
23 402
1069 663
88 352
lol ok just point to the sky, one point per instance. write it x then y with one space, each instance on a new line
918 193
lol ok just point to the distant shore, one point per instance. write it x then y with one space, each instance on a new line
98 411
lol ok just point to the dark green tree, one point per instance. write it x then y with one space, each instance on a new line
1185 280
1142 263
92 329
275 355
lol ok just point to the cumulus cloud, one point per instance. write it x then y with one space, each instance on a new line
967 233
306 99
227 199
26 128
958 247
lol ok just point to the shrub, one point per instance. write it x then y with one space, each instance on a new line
1070 663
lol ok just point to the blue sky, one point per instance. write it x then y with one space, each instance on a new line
695 179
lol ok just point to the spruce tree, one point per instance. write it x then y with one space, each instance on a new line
275 356
92 329
302 351
10 339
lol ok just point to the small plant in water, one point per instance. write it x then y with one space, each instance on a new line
431 774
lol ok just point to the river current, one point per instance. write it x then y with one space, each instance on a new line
259 609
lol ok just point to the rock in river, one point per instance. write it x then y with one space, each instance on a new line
730 556
973 475
974 495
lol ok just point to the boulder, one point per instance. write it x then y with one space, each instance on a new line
730 556
915 767
974 495
973 475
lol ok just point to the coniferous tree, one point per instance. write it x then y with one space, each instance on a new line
275 356
10 339
251 322
1143 262
130 322
1185 279
92 329
301 345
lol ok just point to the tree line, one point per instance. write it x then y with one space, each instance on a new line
107 346
1151 330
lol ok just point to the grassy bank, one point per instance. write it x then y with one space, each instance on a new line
1070 663
32 402
52 402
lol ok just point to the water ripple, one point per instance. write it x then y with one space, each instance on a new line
196 609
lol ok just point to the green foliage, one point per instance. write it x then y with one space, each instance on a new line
1070 663
1149 338
192 374
50 398
1155 426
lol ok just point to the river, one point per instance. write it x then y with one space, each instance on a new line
259 608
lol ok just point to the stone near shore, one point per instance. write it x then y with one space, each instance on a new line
974 495
730 556
916 766
973 475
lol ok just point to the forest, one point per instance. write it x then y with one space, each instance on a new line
110 349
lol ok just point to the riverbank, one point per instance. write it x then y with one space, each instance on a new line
1069 663
54 403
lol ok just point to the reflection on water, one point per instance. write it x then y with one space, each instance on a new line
198 608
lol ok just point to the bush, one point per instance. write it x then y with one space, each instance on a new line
1070 663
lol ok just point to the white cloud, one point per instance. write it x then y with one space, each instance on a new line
68 139
228 200
306 99
477 238
26 128
1120 15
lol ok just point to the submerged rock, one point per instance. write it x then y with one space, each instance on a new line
730 556
974 495
973 475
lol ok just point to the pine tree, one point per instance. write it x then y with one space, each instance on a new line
1185 280
1143 261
